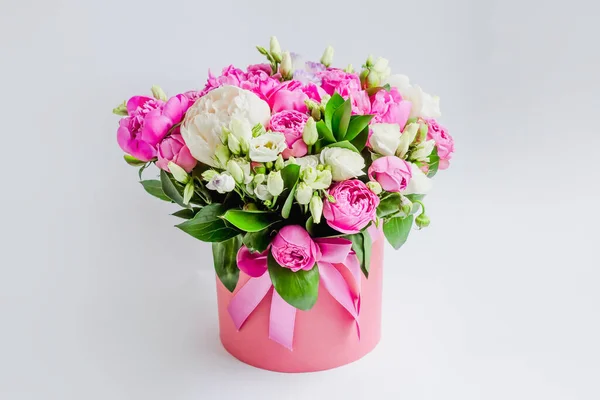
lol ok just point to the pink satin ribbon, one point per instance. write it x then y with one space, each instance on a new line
340 274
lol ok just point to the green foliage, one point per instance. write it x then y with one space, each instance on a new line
172 189
208 226
340 126
186 213
134 162
396 230
357 124
290 176
258 241
389 205
300 289
250 221
154 187
225 261
341 119
361 244
434 163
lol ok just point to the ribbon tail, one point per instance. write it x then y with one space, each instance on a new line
336 285
282 321
248 298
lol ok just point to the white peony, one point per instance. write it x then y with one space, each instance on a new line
267 147
385 138
203 124
222 183
419 183
344 163
424 105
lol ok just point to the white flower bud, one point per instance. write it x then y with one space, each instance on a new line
327 57
309 174
262 192
286 67
222 155
275 183
303 193
279 163
275 49
406 139
259 178
235 171
423 151
323 180
234 144
374 187
316 208
241 129
209 174
178 173
158 93
310 134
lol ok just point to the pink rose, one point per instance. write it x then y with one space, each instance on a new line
336 80
291 124
293 248
354 207
314 92
388 107
148 122
259 80
229 76
443 141
392 173
361 103
288 96
173 148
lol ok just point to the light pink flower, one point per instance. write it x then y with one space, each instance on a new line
288 96
336 80
293 248
291 124
361 103
443 141
148 122
392 173
388 107
173 148
354 207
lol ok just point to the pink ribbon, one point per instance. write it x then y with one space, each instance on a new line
339 271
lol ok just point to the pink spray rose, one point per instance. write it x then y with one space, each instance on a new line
336 80
293 248
443 141
291 124
354 207
392 173
173 148
148 122
288 96
388 107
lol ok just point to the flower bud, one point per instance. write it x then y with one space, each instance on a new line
349 69
422 220
178 173
374 187
275 183
422 151
310 134
260 169
279 163
303 193
275 49
236 171
369 63
250 207
406 139
316 208
209 174
316 113
222 155
286 68
262 192
234 144
258 130
327 57
322 181
158 93
121 109
309 174
406 205
259 178
188 192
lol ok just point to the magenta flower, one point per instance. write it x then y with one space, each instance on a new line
389 107
293 248
291 124
443 141
173 149
354 206
288 96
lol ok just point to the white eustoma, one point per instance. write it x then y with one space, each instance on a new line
424 105
422 151
275 183
385 138
222 183
419 183
267 147
242 131
406 139
262 192
316 209
303 193
344 163
203 124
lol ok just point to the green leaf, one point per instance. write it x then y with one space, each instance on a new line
300 289
344 145
333 104
172 192
368 243
154 187
361 140
389 205
396 230
434 163
250 221
225 260
310 225
325 132
134 162
258 241
141 171
208 226
358 245
186 213
290 175
289 202
357 124
341 120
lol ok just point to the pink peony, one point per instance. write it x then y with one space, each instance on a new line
293 248
291 124
229 76
392 173
314 92
173 148
388 107
354 207
443 141
361 103
336 80
148 122
288 96
259 80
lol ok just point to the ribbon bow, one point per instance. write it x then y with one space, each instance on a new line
339 271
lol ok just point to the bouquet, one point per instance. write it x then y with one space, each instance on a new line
289 167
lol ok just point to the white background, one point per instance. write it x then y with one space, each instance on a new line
101 298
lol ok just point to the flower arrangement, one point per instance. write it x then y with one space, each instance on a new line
288 167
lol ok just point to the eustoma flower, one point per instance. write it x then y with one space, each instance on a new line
352 208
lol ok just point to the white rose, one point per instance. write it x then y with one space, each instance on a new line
344 163
424 105
267 147
385 138
419 183
307 161
222 183
203 124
